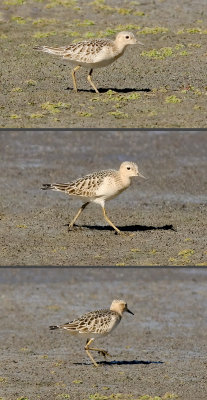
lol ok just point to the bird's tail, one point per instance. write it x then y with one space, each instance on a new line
54 327
55 186
59 51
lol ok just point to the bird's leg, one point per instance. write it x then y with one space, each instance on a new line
77 215
87 348
74 78
101 351
110 222
90 81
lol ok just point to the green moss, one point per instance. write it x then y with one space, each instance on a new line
37 115
158 54
44 21
139 13
153 31
84 114
179 46
39 35
172 99
3 380
54 108
121 396
118 114
17 89
15 116
30 82
89 35
133 96
100 5
183 53
194 45
186 252
85 22
127 27
14 2
23 398
124 11
19 20
3 36
62 3
191 31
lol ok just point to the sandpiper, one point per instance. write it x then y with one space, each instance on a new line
94 53
98 187
96 323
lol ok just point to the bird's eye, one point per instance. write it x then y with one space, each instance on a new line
127 37
128 168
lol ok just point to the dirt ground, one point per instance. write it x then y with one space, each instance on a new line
165 213
160 351
160 84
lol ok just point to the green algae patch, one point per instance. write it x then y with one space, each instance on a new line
54 108
14 2
122 396
45 21
36 115
186 252
19 20
3 380
84 114
153 31
112 96
39 35
172 99
192 31
164 52
85 22
3 36
31 82
118 114
158 54
15 116
62 3
23 398
17 89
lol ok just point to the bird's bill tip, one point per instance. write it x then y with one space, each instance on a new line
141 176
137 42
130 312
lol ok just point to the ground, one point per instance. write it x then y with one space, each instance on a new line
159 84
160 351
165 214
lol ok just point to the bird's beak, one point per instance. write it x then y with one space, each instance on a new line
141 176
130 312
142 44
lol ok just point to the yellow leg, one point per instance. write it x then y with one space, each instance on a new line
110 222
77 215
90 81
88 353
74 78
103 352
87 348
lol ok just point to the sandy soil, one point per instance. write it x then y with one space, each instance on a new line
159 350
166 213
162 84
